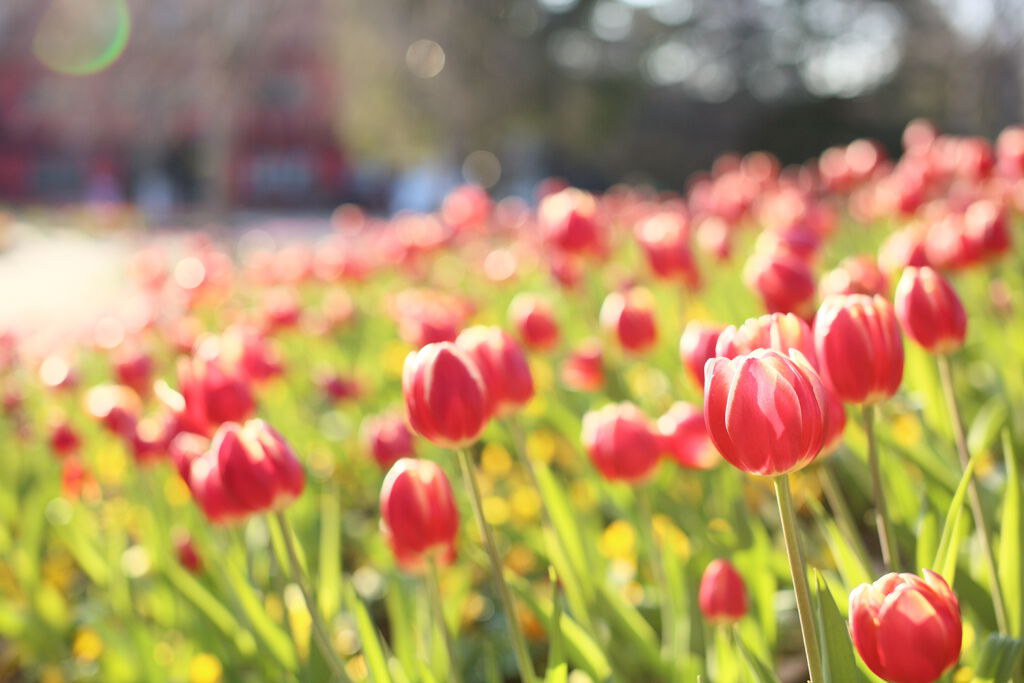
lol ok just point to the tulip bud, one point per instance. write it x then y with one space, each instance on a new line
134 368
930 311
212 392
766 413
986 228
783 281
854 275
697 345
664 237
583 370
186 552
116 407
418 515
685 437
337 388
630 317
502 366
446 399
248 469
723 595
779 331
905 628
388 439
860 349
621 441
63 439
569 221
534 321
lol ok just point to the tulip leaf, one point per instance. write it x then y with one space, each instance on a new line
373 649
985 428
761 672
1011 542
949 542
628 623
580 647
1000 657
927 538
219 615
329 555
837 656
558 668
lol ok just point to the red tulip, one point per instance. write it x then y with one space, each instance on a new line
836 423
930 311
860 349
187 555
446 399
388 439
251 351
63 439
784 282
621 441
467 208
418 515
134 368
630 317
779 331
583 370
664 237
987 229
212 392
248 469
766 413
905 628
502 366
337 388
116 407
426 316
854 275
685 437
534 321
723 595
569 221
697 345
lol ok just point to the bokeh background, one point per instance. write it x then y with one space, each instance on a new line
194 110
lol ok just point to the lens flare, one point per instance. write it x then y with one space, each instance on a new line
82 37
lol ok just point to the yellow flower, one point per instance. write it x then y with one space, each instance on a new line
205 668
906 430
671 537
541 445
618 540
176 492
88 645
496 510
495 460
525 504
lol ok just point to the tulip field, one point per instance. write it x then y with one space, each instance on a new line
765 428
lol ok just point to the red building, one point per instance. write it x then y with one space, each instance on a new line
228 102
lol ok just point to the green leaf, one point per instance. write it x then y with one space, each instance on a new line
837 656
761 672
999 659
373 649
219 615
1011 542
329 556
927 538
627 623
558 668
985 428
949 542
581 648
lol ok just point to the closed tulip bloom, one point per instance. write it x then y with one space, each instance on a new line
907 629
445 396
502 366
854 275
784 282
621 441
930 311
134 368
533 320
63 439
723 595
766 413
664 237
859 346
257 468
583 369
630 317
987 229
188 557
685 437
697 345
779 331
388 439
418 515
212 392
569 221
117 407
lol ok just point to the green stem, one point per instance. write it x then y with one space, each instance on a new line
998 603
434 595
518 641
796 568
646 527
841 511
320 633
890 553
